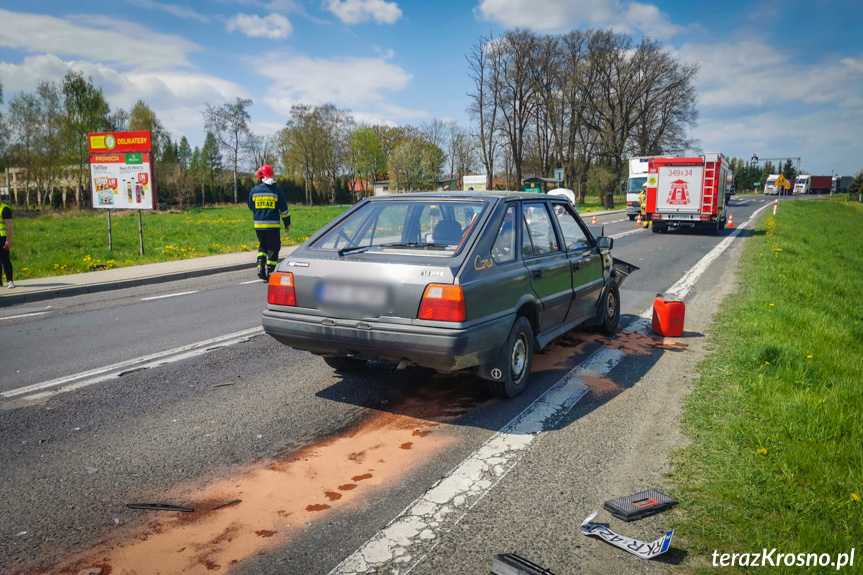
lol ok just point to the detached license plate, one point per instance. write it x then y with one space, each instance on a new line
361 297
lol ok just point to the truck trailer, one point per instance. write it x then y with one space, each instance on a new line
840 184
687 192
820 184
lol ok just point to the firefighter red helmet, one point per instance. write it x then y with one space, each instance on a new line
265 172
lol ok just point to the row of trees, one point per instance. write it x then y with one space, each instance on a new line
584 101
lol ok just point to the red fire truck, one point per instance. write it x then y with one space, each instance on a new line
688 192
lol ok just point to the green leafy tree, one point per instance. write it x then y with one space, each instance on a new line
49 142
86 112
368 158
415 164
184 154
210 165
26 126
856 185
788 170
143 118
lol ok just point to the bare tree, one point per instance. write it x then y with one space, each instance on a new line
666 103
119 120
484 69
261 150
230 124
516 91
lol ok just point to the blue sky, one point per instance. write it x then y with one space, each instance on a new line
780 78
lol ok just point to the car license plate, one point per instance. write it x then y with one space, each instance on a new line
362 297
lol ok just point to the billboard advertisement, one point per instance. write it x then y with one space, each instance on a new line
122 181
475 183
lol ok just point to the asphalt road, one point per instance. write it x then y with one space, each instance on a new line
320 461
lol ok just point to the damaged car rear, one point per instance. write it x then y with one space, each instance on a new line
452 282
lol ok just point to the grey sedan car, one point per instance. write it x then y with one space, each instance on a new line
454 281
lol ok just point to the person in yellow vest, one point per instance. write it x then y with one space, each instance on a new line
642 201
6 244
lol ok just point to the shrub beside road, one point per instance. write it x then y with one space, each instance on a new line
775 419
57 244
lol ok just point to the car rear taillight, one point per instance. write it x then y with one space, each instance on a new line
443 303
280 290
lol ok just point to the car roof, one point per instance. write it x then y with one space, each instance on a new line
497 194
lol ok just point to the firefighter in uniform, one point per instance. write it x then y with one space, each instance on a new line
268 204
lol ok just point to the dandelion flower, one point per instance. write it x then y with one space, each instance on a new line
766 363
762 451
808 357
855 497
771 305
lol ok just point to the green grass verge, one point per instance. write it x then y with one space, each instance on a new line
57 244
776 459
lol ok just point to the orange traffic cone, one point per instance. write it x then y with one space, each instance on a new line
730 220
638 221
594 220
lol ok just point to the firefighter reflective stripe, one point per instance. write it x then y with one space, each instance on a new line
265 225
271 262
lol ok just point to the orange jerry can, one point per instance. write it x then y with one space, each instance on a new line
668 317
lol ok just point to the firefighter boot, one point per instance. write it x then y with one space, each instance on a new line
271 267
262 268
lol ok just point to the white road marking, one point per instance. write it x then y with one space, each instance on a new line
25 315
251 282
100 374
416 531
168 295
629 233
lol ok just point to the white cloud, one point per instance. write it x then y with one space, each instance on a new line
177 97
752 73
554 16
273 26
356 84
178 11
93 38
359 11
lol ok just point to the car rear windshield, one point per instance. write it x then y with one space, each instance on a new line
431 227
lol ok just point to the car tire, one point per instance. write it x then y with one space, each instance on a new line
631 217
517 363
608 314
345 364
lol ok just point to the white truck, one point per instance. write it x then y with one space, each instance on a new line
802 184
770 185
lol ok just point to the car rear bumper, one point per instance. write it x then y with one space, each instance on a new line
438 348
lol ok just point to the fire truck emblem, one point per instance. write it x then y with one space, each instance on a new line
679 195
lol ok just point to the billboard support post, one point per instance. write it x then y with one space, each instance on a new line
110 237
140 234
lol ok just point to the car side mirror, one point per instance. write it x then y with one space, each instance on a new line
604 243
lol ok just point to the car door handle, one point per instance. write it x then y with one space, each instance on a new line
576 265
536 274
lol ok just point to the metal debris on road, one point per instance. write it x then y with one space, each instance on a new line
224 384
634 546
514 564
159 507
234 502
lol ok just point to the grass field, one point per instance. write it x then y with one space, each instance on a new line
50 245
776 459
58 244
